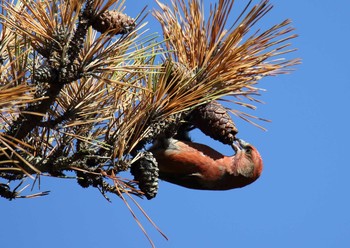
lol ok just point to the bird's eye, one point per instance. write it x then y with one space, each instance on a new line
248 150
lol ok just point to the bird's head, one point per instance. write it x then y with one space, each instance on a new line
247 159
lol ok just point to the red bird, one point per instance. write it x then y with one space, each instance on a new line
198 166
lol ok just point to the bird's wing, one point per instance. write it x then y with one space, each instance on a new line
192 181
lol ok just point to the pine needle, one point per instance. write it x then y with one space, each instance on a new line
120 190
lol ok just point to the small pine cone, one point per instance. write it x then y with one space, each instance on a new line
165 128
43 74
146 172
213 120
111 19
83 180
178 72
6 192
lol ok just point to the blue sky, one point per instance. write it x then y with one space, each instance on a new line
301 200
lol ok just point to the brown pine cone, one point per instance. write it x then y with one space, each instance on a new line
213 120
178 72
112 19
145 171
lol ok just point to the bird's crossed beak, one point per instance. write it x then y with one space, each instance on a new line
241 144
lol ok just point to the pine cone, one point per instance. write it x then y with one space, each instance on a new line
145 171
213 120
43 74
178 72
109 20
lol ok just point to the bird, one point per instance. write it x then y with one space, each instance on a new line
198 166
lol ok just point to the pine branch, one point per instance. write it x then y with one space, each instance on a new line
57 78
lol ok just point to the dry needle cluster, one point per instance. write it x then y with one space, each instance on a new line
84 89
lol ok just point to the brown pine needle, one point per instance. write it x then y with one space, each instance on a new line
148 218
120 191
40 194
